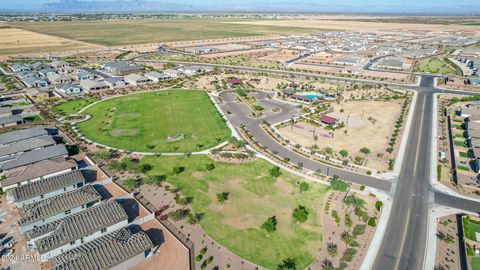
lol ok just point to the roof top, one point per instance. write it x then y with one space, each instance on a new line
134 77
105 252
25 145
327 119
52 206
47 185
91 83
35 156
22 134
39 169
11 119
121 66
5 110
81 224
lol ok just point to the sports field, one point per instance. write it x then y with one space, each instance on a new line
127 32
254 196
161 121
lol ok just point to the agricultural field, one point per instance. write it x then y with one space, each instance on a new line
19 41
161 121
72 106
152 31
254 196
434 66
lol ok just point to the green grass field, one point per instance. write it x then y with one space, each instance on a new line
143 122
253 197
127 32
475 262
434 66
72 106
471 227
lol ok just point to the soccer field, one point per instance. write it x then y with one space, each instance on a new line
161 121
126 32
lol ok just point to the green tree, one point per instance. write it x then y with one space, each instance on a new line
155 179
300 214
210 166
339 185
222 196
132 183
344 153
275 172
304 186
287 264
178 169
179 214
270 225
365 150
328 150
356 202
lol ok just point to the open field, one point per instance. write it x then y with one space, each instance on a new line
254 196
72 106
434 66
351 24
154 31
19 41
162 121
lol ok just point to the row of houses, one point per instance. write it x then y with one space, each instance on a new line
63 215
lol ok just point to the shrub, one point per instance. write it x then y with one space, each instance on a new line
371 222
335 216
178 169
378 205
359 229
300 214
270 225
348 220
349 254
365 150
131 183
210 166
332 249
343 153
222 196
304 186
155 179
275 172
179 214
339 185
287 264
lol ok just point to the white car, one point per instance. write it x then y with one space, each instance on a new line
10 243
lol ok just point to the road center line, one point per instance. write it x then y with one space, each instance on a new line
403 240
419 137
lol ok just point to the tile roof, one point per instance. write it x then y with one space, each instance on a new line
105 252
39 169
35 156
22 134
49 207
79 225
11 119
47 185
26 145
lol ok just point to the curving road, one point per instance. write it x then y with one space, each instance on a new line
404 242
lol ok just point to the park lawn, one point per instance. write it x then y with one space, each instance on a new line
471 227
254 196
125 32
143 122
72 106
434 66
475 262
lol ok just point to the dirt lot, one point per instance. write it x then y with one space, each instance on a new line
352 25
235 53
264 83
281 56
447 254
367 126
18 41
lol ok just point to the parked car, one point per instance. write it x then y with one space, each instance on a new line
7 252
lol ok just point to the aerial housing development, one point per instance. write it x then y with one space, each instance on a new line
147 135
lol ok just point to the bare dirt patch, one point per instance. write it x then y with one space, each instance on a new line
198 174
118 132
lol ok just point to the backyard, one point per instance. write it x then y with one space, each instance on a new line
161 121
254 196
434 66
72 106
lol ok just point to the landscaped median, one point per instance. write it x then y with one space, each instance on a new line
156 122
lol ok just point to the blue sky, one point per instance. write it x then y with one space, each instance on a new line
364 5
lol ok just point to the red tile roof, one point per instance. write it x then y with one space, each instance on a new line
328 120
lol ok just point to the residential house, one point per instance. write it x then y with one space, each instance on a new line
40 65
81 76
121 68
5 111
91 85
390 64
69 89
56 64
56 78
45 71
46 211
46 188
22 134
19 68
77 229
31 157
19 147
128 247
38 171
115 83
191 70
157 76
135 79
173 73
34 81
12 120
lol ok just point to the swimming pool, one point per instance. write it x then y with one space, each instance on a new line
313 95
